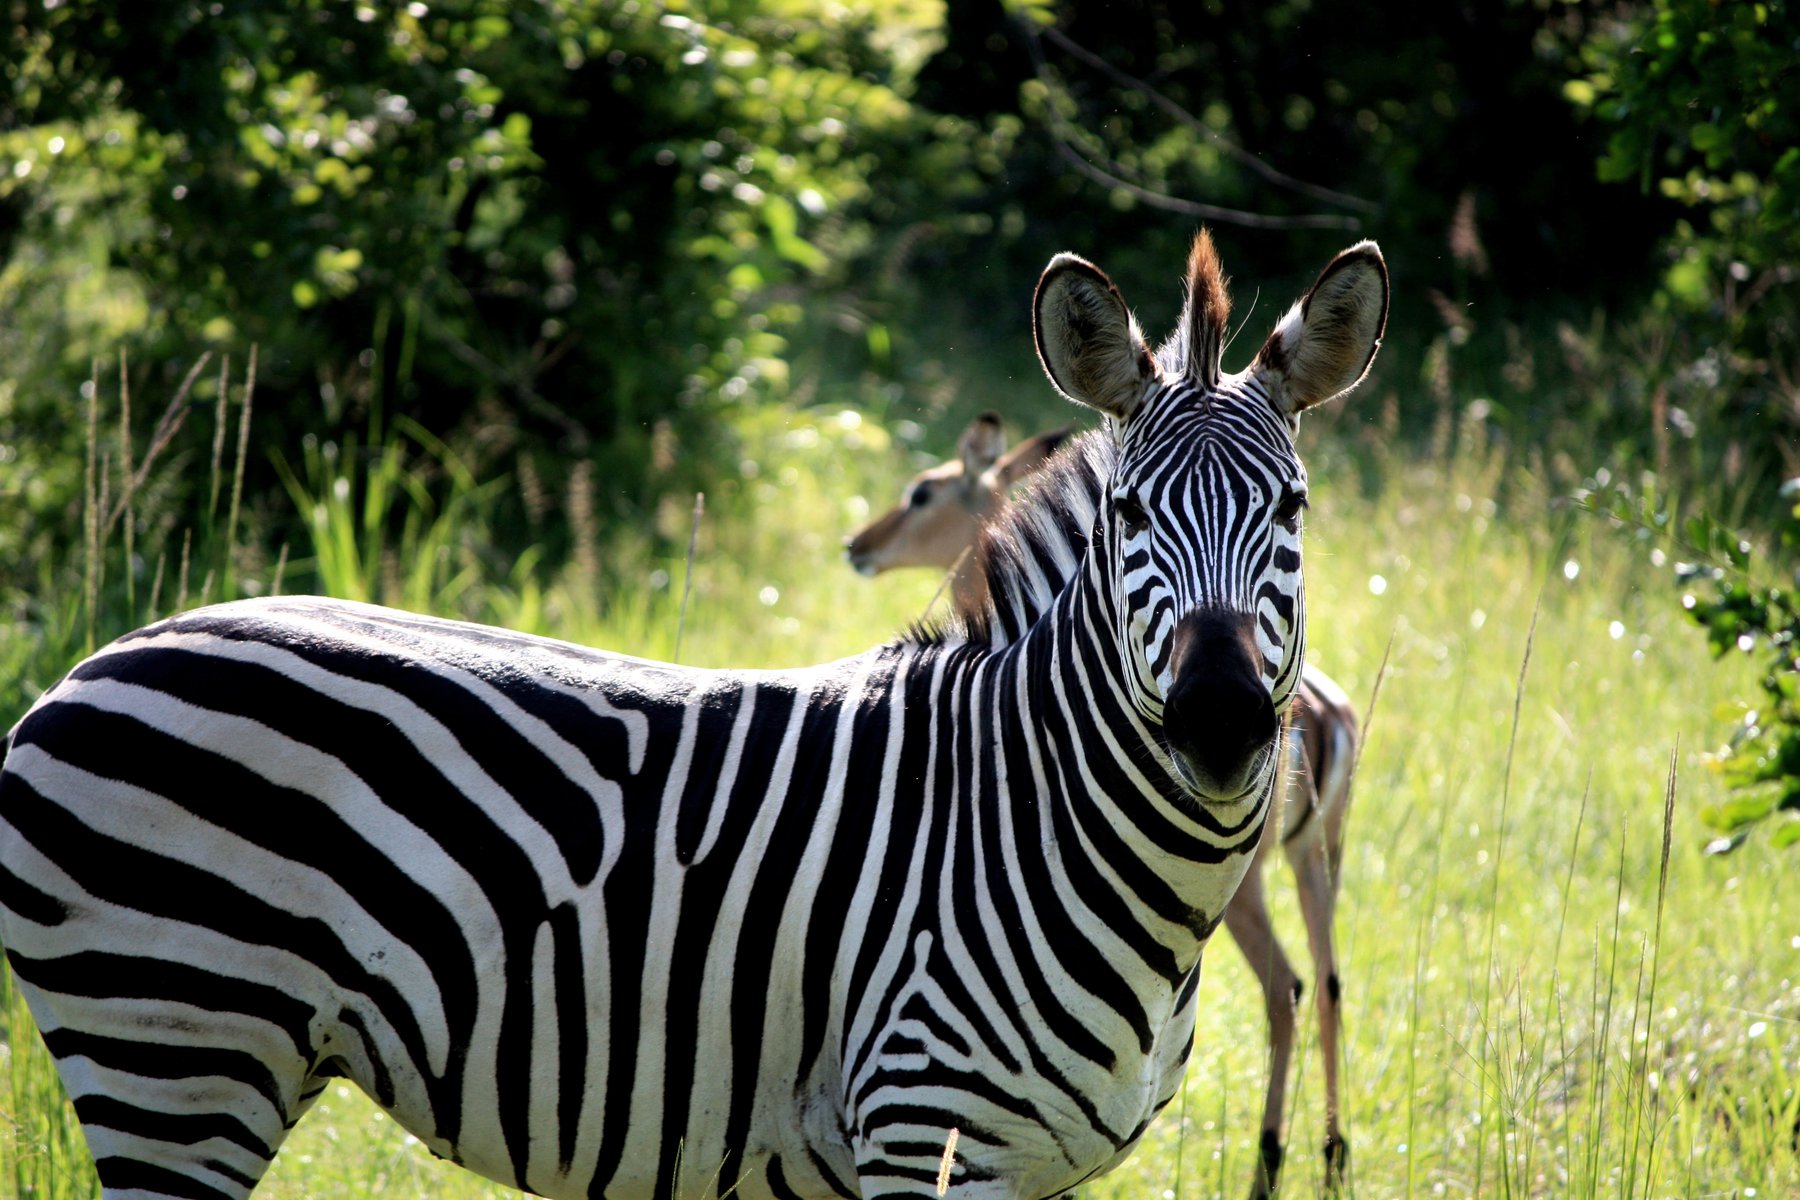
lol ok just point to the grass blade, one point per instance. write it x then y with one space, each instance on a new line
687 578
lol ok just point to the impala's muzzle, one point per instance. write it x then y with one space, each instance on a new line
1218 719
863 549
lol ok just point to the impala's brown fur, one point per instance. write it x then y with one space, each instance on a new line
938 521
940 527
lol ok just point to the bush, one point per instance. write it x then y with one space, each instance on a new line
1747 613
1703 106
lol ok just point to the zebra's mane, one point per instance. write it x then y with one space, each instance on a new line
1033 546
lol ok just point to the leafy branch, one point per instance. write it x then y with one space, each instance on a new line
1742 611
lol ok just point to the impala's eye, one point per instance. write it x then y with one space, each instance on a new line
1131 515
1288 510
921 496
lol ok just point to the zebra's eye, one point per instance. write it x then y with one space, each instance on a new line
1131 515
1292 501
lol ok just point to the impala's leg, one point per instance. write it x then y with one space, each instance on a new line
1247 917
1315 868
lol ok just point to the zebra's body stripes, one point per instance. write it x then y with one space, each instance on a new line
595 926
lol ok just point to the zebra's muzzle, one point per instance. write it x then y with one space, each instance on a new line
1219 721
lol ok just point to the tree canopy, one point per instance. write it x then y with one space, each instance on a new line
596 229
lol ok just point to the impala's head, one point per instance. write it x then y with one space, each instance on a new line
1200 522
938 520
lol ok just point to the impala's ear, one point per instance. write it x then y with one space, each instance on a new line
1087 339
1324 345
981 445
1028 456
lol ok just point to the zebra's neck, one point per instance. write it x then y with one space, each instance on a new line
1081 773
1033 549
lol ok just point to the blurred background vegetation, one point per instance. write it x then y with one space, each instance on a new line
520 278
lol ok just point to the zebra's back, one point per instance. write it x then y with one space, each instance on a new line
539 901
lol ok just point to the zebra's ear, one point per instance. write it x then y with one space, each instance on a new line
981 445
1087 339
1323 346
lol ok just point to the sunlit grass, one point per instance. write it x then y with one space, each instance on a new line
1501 1037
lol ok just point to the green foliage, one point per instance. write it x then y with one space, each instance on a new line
586 228
1749 607
1745 612
1703 106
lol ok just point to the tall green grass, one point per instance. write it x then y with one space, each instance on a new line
1549 991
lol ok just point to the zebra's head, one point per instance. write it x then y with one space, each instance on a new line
1199 524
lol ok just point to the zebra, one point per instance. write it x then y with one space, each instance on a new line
937 523
592 925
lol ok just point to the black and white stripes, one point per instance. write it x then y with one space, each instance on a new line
598 926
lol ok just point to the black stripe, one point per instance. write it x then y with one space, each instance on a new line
96 974
115 872
181 1129
625 901
380 1077
23 900
124 1174
153 1060
753 960
569 968
1072 950
220 792
712 737
905 827
514 762
830 1177
778 1184
704 885
844 865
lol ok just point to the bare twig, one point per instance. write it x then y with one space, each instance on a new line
181 579
162 562
243 452
949 577
166 428
1156 199
125 470
1662 888
947 1162
1232 149
218 446
1368 716
1195 208
90 517
1512 741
